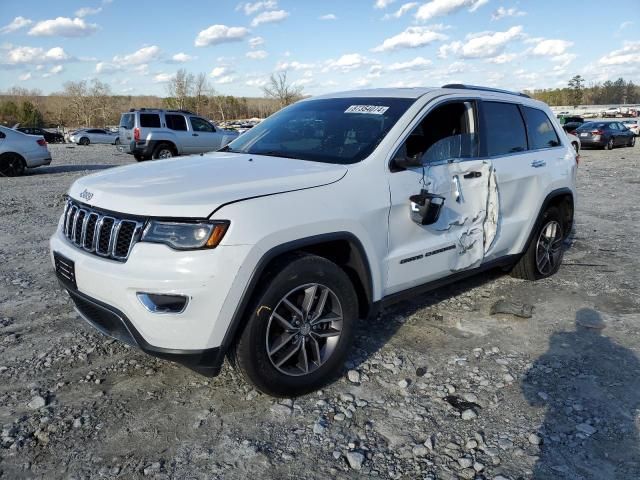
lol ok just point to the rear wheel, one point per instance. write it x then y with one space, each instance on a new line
139 157
117 142
163 150
545 251
12 165
300 327
84 141
576 147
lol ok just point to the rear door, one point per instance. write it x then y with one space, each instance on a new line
525 149
177 124
205 138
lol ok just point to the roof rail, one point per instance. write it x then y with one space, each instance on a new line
484 89
143 109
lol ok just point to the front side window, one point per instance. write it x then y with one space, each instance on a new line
127 121
332 130
150 120
176 122
541 131
201 125
447 132
505 131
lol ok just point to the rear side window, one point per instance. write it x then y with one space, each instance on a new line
541 131
504 129
150 120
126 121
176 122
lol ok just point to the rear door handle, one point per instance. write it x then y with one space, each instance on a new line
473 175
538 163
194 134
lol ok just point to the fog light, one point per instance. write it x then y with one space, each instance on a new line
159 303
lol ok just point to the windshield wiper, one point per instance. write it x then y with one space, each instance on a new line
276 153
227 148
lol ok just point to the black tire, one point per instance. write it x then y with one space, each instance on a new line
12 165
249 354
139 157
632 142
84 141
528 267
162 151
576 147
610 144
117 142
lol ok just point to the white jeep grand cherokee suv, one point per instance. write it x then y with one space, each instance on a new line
269 250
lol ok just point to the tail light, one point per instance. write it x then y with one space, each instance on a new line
136 134
42 142
597 132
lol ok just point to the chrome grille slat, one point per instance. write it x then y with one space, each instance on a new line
99 233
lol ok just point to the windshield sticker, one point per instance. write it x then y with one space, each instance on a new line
370 109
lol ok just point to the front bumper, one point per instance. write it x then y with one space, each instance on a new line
110 321
211 279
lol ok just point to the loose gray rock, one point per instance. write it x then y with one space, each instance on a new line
36 402
353 376
469 414
465 462
420 451
522 310
535 439
355 459
586 429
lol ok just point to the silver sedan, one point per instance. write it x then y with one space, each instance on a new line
19 151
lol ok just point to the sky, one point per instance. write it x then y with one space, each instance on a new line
331 45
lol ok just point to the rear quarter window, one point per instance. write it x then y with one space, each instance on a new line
540 129
505 129
150 120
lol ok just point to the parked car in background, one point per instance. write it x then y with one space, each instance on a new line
571 126
50 137
19 151
606 134
575 142
633 125
272 248
155 133
94 135
564 119
611 112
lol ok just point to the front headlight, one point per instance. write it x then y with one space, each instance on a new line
185 236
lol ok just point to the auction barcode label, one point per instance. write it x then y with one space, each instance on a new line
371 109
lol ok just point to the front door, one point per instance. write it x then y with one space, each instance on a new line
205 138
447 141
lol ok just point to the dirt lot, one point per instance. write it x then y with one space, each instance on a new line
438 388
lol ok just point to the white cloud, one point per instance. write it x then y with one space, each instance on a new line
269 17
294 66
142 69
257 54
481 45
380 4
404 8
63 27
106 68
216 34
436 8
328 16
502 12
503 58
348 62
35 55
25 76
224 80
629 54
256 82
255 42
53 71
622 26
418 63
182 57
16 24
549 47
86 11
362 82
564 60
144 55
163 77
251 8
412 37
219 72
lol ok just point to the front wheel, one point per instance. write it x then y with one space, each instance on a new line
544 253
84 141
610 144
300 328
632 142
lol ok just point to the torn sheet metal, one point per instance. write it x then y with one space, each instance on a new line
493 212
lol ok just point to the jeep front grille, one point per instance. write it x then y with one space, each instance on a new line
100 233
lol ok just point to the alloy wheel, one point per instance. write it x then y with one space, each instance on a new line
165 153
304 329
549 248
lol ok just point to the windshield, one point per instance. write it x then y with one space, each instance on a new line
336 130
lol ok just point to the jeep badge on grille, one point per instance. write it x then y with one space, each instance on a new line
86 195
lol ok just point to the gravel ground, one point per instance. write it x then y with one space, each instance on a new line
435 388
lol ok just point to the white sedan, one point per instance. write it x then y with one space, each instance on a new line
94 135
19 151
633 125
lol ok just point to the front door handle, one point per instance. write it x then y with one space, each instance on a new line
473 175
538 163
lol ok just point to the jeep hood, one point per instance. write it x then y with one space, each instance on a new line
195 186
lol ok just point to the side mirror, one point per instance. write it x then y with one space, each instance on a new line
403 161
425 207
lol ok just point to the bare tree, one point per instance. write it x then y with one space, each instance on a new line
200 90
280 89
180 88
78 95
101 100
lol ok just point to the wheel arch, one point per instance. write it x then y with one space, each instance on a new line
561 198
342 248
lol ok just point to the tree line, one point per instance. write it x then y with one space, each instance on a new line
577 92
